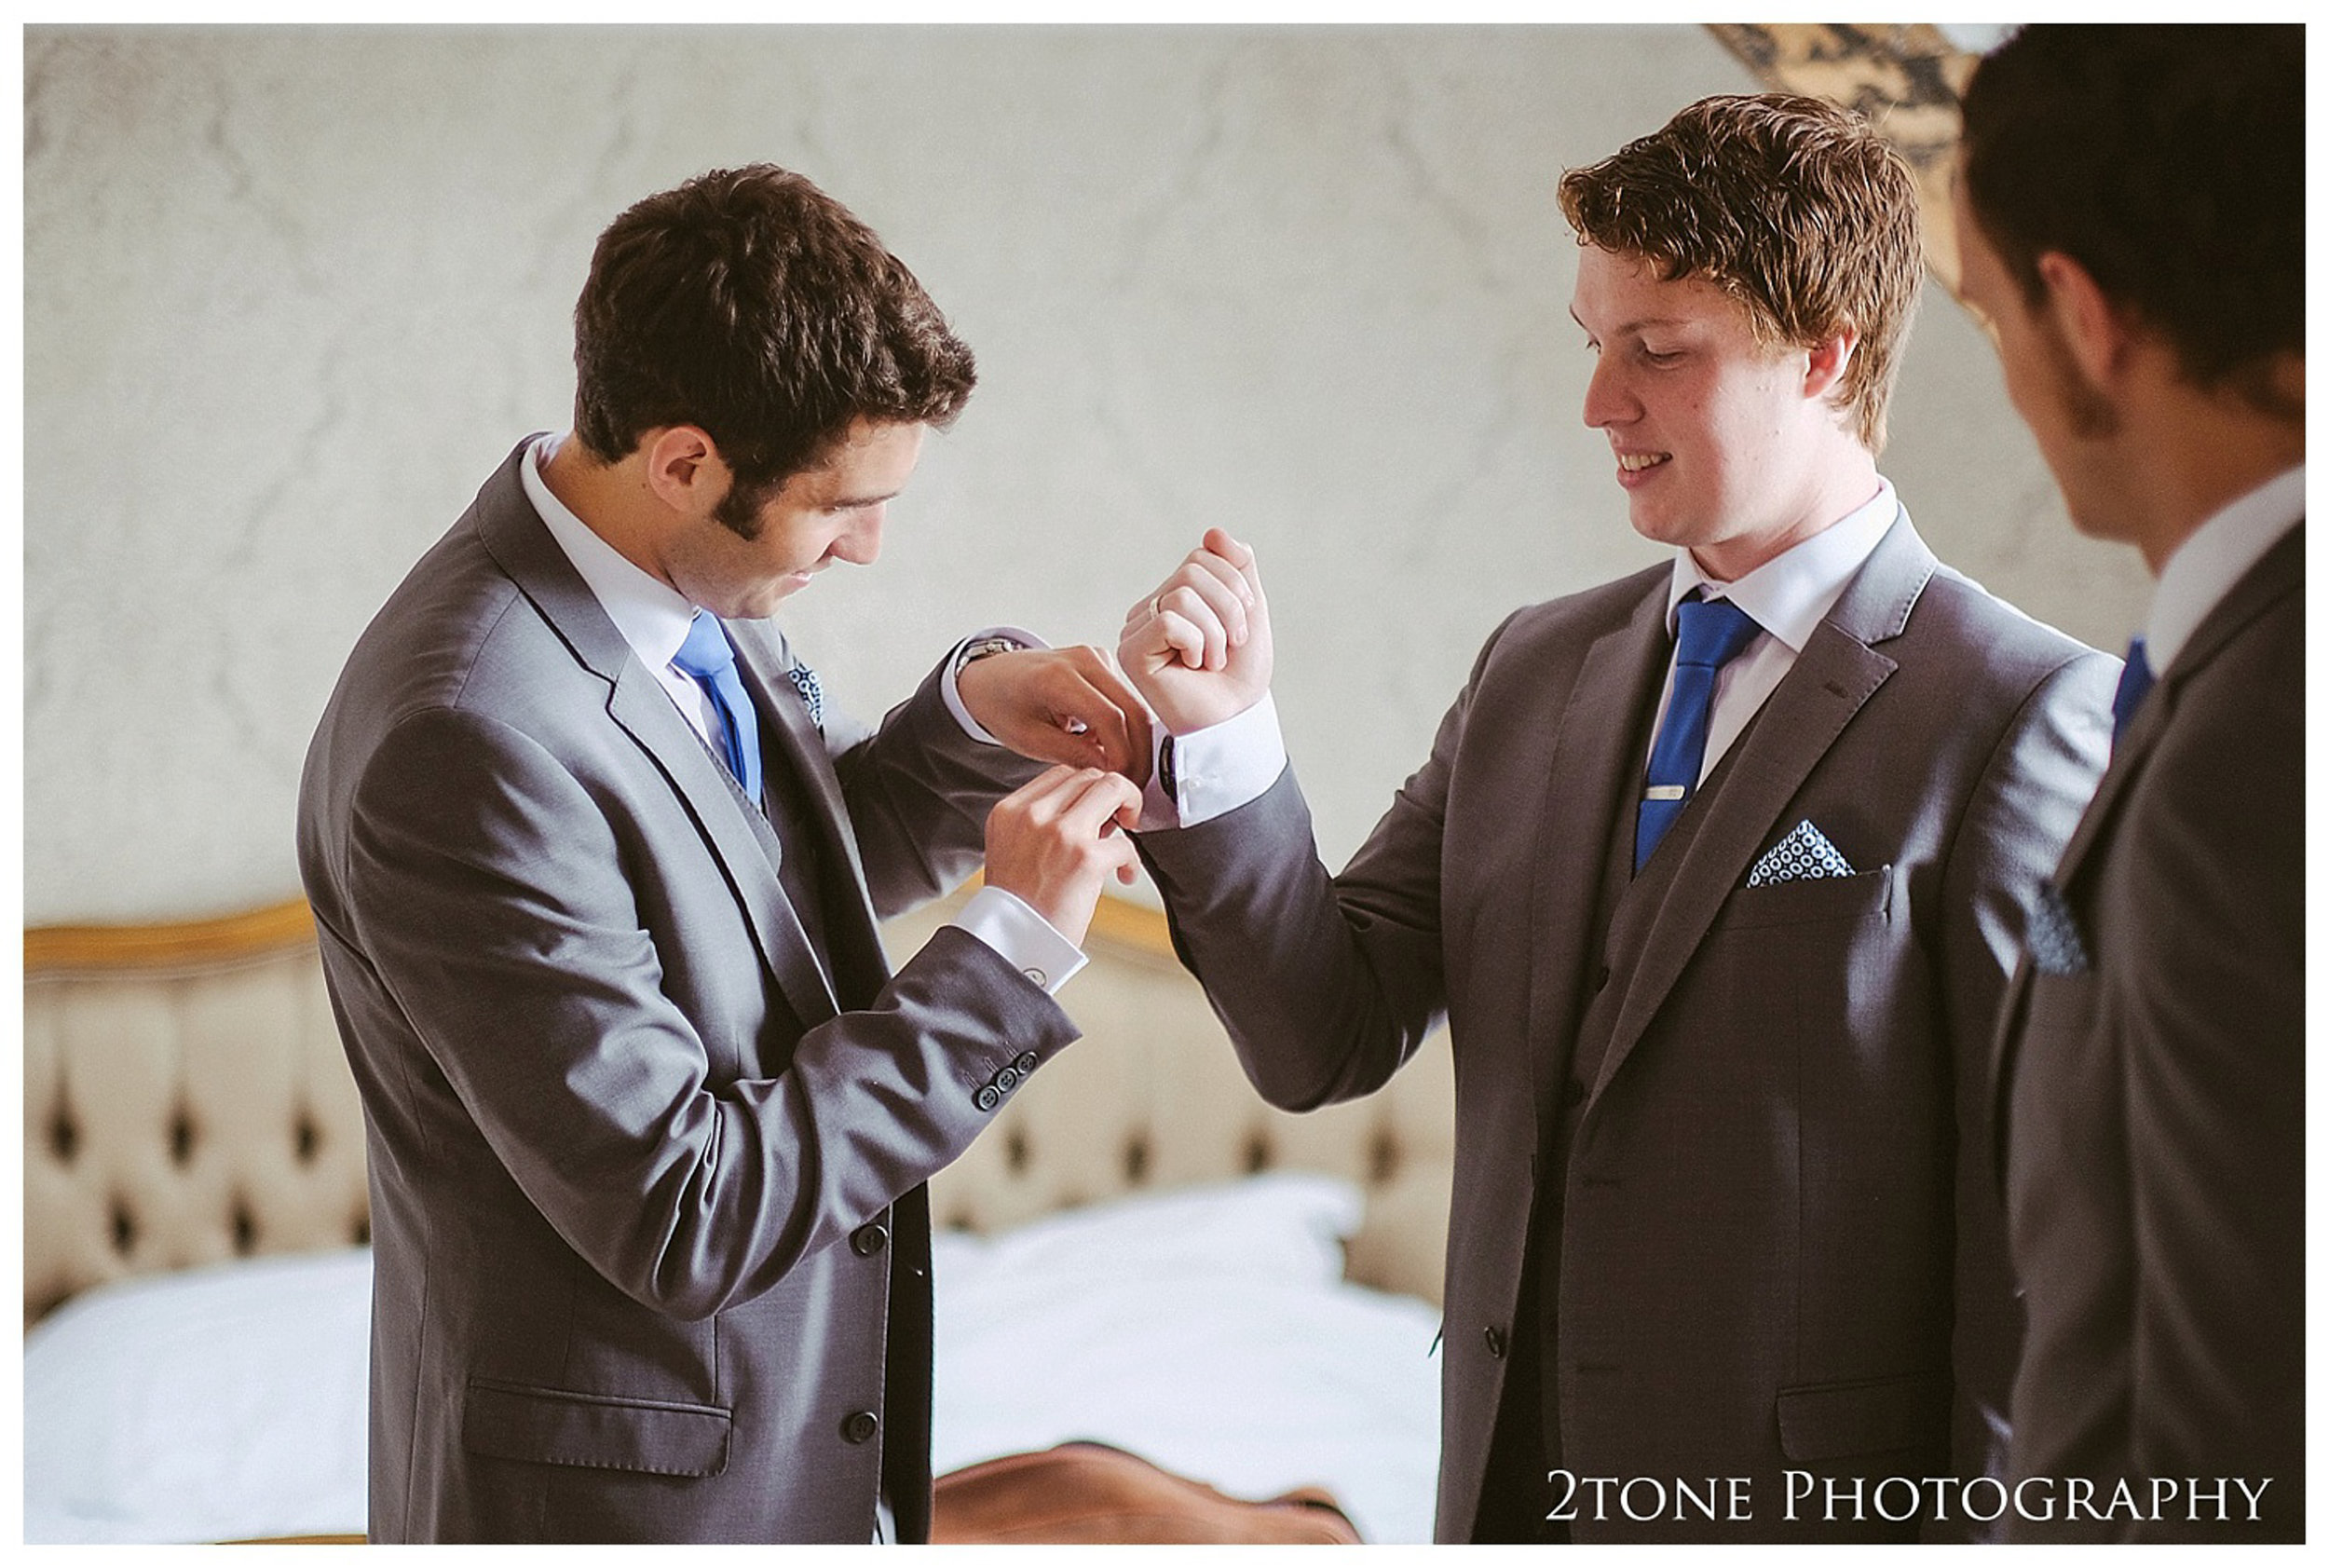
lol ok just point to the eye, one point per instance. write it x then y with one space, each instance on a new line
1660 357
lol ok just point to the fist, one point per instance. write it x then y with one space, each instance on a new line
1198 649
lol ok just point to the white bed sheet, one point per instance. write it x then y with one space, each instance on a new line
1206 1329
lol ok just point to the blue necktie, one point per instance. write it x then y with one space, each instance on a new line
1711 633
706 656
2134 681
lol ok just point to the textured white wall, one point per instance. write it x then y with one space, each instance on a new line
289 294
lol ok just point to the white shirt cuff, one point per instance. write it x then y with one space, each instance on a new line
1024 939
1217 770
970 726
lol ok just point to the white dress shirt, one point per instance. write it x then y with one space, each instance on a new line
1787 595
2205 567
653 617
1219 769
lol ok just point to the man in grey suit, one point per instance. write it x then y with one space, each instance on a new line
2131 212
1716 874
595 871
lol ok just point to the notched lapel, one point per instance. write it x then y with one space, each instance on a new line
790 732
1590 776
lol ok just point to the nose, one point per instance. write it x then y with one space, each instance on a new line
860 543
1606 400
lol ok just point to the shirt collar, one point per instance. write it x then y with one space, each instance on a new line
1789 595
651 615
2220 551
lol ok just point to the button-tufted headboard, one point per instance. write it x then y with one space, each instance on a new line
186 1101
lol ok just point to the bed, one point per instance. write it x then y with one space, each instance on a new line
1243 1297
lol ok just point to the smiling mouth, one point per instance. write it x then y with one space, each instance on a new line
1635 462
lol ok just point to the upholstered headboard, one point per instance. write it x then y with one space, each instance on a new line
186 1101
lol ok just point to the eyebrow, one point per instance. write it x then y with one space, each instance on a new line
849 503
1630 326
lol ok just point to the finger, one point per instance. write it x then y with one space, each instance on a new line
1199 643
1237 554
1039 789
1212 619
1221 570
1221 590
1124 705
1100 802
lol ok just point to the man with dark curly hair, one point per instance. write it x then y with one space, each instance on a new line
1716 874
2130 210
595 866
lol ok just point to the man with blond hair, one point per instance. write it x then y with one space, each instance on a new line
1716 873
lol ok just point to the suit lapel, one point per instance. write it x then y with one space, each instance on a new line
1832 678
2280 571
789 732
1588 779
739 837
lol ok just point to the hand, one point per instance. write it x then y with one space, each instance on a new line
1055 842
1198 649
1060 704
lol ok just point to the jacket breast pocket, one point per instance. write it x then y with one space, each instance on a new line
600 1431
1809 900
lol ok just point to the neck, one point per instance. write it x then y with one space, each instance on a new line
1837 488
612 500
2186 472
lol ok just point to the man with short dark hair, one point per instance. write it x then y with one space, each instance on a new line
2130 216
1716 874
595 869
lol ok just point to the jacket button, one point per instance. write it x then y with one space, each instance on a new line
1026 1064
987 1097
1007 1079
866 1240
1495 1338
859 1426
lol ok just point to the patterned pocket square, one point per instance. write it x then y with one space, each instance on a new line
2055 946
1804 853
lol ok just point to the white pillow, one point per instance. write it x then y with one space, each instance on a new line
1281 1226
216 1404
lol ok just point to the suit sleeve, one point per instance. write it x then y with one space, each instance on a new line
1327 985
918 790
491 899
2208 992
2028 801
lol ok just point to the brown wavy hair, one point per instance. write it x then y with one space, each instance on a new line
1793 207
751 304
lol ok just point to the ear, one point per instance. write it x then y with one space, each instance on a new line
684 470
1826 361
2097 331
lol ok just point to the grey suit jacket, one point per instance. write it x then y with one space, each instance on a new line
653 1250
2152 1060
1770 1254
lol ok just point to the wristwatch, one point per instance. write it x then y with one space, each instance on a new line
984 648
